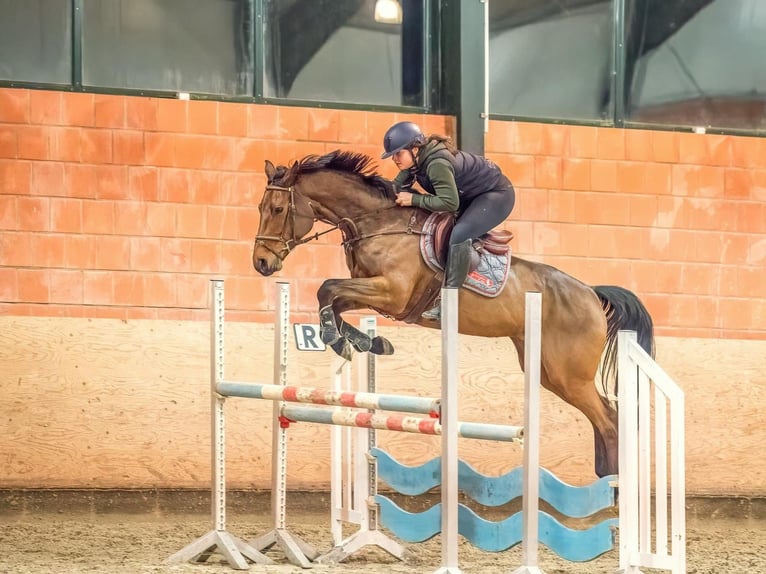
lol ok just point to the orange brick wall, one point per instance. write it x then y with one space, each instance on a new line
114 206
680 218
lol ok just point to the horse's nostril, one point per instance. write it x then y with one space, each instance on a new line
261 266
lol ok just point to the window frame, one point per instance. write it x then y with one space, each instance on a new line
442 88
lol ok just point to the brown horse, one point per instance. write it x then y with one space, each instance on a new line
381 241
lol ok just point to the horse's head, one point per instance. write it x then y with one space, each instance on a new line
338 186
286 216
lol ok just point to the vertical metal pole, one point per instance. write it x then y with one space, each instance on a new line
486 65
660 468
644 464
678 482
259 49
279 438
470 107
218 435
618 84
369 327
76 60
449 422
627 399
340 460
531 488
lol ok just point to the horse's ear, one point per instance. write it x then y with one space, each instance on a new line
270 170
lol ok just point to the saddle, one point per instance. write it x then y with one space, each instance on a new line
441 224
488 271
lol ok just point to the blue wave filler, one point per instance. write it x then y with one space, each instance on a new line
577 501
409 480
409 526
574 501
572 545
576 545
415 480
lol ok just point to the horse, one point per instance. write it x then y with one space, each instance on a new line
381 242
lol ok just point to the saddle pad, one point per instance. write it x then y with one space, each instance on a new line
489 276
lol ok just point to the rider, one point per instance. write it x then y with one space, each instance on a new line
459 182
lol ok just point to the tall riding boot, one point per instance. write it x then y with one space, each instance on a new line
458 262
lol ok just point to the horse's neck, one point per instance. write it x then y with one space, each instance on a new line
342 199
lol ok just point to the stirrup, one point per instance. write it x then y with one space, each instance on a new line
434 313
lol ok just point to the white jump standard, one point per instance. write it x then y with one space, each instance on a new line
232 548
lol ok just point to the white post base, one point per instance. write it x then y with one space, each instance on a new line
233 549
359 540
297 551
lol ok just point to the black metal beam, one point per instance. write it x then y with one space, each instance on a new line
77 18
470 123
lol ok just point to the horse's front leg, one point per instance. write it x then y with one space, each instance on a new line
337 296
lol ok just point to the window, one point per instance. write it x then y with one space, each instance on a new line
551 59
176 45
697 63
334 50
35 41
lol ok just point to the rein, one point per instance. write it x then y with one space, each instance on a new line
353 232
348 228
289 243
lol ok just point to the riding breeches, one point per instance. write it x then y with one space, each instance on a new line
483 213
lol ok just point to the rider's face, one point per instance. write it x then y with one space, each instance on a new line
404 158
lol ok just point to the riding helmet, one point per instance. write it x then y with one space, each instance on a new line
402 135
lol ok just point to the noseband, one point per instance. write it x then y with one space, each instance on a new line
288 243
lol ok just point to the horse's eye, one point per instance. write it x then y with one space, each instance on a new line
279 209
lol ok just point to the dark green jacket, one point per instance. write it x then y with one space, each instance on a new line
448 179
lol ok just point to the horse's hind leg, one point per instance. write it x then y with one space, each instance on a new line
581 393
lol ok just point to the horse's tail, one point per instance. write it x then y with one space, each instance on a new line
624 312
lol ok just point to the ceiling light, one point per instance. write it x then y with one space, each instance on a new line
388 12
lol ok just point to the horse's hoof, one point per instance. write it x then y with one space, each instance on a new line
358 340
381 346
362 344
343 349
329 336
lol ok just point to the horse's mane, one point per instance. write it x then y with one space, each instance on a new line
357 164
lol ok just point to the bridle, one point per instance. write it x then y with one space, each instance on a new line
288 243
347 226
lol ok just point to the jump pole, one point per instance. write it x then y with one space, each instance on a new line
316 396
398 423
232 548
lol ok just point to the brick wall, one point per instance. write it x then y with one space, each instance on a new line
679 218
114 206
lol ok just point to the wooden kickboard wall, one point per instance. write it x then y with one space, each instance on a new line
103 403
